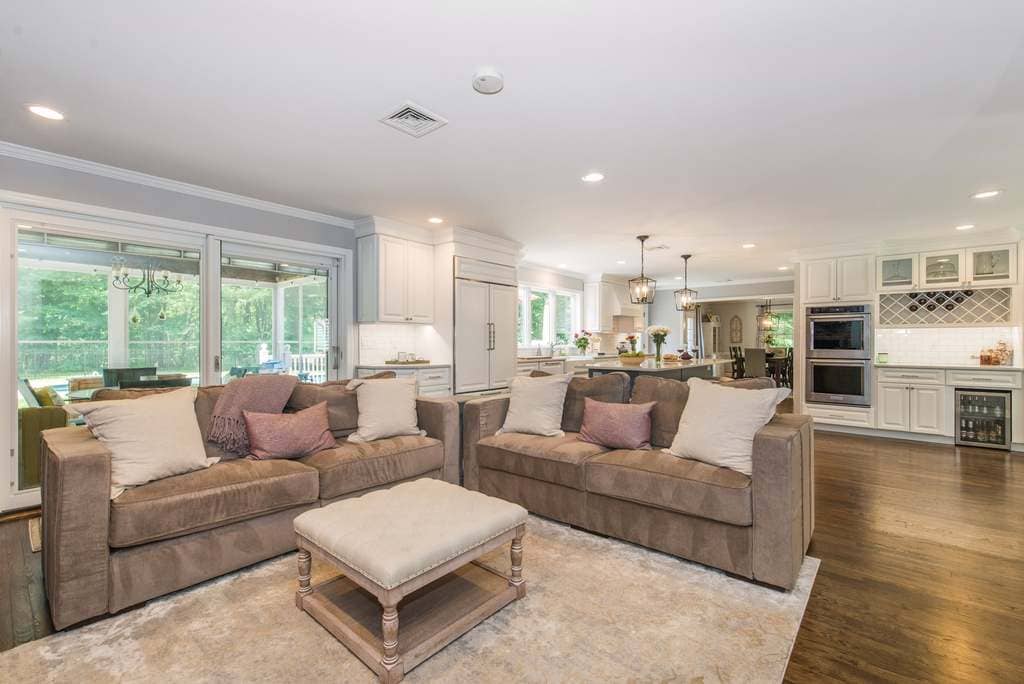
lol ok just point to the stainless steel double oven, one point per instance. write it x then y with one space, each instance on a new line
839 345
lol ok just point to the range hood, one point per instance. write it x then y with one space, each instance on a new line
627 324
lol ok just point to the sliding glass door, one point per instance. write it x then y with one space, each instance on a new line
276 314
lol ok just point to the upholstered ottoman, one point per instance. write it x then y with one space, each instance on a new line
416 543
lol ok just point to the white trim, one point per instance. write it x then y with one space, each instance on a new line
210 312
32 154
677 284
9 497
575 275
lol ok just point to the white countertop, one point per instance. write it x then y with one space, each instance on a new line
402 366
948 366
649 366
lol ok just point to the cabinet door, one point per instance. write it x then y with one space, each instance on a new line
420 295
897 272
472 336
992 265
893 411
854 279
503 305
820 281
394 260
927 409
942 268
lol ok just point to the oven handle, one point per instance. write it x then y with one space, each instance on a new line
839 362
837 317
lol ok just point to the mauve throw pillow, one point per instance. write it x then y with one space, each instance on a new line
288 435
617 426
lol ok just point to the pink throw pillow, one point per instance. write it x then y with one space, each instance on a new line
617 426
288 435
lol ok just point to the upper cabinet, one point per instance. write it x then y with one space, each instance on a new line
396 280
838 280
601 303
948 268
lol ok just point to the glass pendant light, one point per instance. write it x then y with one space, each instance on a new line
686 299
766 320
641 289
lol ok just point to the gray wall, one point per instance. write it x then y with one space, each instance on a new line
774 287
75 186
663 312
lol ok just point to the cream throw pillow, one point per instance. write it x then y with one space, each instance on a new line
149 438
536 404
387 408
719 423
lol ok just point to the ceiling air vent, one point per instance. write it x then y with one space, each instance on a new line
413 119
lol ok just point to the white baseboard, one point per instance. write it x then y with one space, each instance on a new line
896 434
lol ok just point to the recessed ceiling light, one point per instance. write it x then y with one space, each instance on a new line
748 245
46 112
435 219
561 265
679 277
986 194
783 268
620 262
966 226
593 177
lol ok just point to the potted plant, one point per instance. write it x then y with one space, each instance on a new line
632 342
582 340
658 333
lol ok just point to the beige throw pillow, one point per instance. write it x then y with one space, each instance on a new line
719 423
149 438
536 405
387 408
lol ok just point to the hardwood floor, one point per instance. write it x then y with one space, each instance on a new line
922 573
922 564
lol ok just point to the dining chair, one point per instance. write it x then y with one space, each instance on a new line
738 362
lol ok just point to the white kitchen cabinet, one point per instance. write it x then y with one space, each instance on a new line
396 280
485 335
942 268
892 411
995 265
896 272
820 281
927 409
911 408
838 280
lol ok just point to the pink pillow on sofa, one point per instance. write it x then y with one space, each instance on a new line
288 435
617 426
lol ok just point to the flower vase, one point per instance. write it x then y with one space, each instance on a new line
657 353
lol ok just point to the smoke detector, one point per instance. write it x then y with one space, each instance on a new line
488 81
413 119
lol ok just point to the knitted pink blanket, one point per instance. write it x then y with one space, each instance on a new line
256 393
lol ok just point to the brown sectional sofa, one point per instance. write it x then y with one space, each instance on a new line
101 555
754 526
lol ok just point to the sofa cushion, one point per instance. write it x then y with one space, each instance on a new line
342 410
558 460
351 467
610 387
221 494
677 484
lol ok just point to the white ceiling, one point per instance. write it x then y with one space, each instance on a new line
791 124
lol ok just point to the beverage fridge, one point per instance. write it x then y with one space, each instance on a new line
983 418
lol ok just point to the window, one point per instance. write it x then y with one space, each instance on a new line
782 329
547 316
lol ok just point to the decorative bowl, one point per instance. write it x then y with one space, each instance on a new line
631 360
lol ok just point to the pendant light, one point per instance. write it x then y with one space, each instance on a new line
641 290
766 320
686 299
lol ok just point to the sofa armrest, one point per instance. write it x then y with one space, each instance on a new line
480 418
783 498
440 419
76 518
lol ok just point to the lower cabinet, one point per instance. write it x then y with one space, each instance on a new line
911 408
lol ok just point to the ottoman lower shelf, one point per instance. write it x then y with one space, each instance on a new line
431 617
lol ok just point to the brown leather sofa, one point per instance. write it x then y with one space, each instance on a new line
754 526
101 555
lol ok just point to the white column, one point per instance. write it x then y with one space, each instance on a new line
117 327
209 298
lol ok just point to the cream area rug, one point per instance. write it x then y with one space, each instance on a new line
596 609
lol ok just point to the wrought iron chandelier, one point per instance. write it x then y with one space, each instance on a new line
147 281
686 299
641 289
766 319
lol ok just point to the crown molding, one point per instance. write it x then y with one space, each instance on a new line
31 154
676 284
554 271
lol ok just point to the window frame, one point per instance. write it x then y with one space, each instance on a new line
524 337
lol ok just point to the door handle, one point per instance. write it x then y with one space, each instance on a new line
216 363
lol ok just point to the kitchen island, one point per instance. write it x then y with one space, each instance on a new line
673 370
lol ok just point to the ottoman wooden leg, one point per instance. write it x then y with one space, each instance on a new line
305 564
393 669
517 580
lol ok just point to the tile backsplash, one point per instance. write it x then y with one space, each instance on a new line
951 345
380 342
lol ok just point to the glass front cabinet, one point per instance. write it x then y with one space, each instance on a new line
992 265
897 272
943 268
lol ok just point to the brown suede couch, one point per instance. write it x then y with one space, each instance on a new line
754 526
101 555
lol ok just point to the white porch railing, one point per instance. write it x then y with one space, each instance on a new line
313 366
